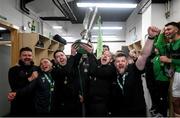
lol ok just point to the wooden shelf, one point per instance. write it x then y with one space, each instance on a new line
61 46
50 54
40 53
50 50
136 45
54 45
42 46
5 42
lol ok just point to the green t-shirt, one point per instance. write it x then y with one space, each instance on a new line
176 62
164 47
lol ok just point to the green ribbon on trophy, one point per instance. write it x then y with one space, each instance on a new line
99 48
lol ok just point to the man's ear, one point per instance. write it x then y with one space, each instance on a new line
178 32
176 29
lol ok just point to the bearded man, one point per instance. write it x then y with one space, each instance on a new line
20 76
127 90
172 31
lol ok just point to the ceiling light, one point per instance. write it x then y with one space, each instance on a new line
107 5
95 36
57 27
108 28
1 28
67 37
108 38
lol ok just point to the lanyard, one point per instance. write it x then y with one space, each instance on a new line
121 85
50 81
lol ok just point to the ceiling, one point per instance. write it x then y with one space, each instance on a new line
50 12
57 10
112 15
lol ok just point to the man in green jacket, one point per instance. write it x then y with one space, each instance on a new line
172 31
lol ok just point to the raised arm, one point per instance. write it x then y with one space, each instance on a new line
141 61
92 59
74 58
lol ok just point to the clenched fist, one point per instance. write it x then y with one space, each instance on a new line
153 31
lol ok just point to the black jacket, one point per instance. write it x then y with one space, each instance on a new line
44 90
18 80
128 101
67 87
101 77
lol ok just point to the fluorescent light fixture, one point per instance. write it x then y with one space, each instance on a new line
107 5
1 28
16 27
95 36
108 38
71 38
67 37
57 27
108 28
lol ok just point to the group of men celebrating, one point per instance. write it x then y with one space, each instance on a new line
83 85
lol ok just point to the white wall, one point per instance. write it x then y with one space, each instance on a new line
115 46
146 22
133 27
158 15
47 30
9 9
154 15
73 29
174 11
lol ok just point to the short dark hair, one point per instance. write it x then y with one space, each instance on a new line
25 49
57 52
120 51
120 54
106 46
175 24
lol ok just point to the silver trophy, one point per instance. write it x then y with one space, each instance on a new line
88 23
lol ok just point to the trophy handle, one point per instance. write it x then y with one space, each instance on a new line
88 23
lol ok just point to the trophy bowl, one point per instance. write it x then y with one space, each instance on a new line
77 44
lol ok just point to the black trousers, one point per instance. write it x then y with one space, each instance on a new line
97 110
159 95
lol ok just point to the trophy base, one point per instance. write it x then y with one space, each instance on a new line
77 43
